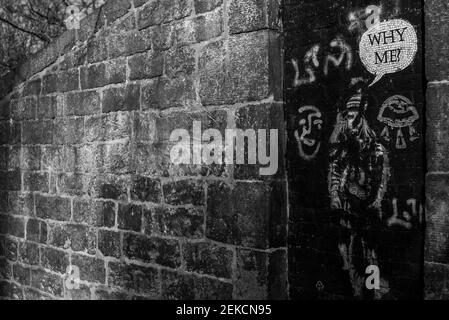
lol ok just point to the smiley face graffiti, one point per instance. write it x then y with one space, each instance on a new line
308 134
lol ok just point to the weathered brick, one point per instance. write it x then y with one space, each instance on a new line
255 271
180 61
10 290
436 283
30 158
202 6
177 286
437 241
130 217
58 158
49 83
179 222
152 250
47 282
24 109
250 15
248 214
109 243
184 192
37 132
144 280
54 260
83 103
10 180
114 9
104 73
22 274
68 80
162 11
48 107
436 18
82 293
5 109
208 26
5 269
437 134
108 295
146 189
115 158
54 208
36 231
126 44
107 186
97 50
10 133
32 88
11 249
210 259
144 127
68 131
77 237
146 65
36 181
29 253
268 117
163 93
161 36
98 213
91 269
245 77
125 98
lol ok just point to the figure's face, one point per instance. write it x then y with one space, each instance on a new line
352 119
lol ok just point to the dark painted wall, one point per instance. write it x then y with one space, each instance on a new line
332 30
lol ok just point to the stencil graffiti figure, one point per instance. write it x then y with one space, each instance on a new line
358 176
398 112
309 132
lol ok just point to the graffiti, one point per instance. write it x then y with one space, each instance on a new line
359 172
388 47
363 19
405 221
309 132
397 113
311 62
345 51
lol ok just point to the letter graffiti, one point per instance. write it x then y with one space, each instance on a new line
346 51
310 63
398 112
370 15
309 131
396 220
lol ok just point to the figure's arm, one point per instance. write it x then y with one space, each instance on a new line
335 177
386 173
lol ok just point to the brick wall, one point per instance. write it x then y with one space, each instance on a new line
436 265
85 172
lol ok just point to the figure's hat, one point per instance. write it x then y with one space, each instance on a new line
354 102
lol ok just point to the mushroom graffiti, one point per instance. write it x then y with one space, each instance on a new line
398 112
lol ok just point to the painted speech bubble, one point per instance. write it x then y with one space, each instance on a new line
388 47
